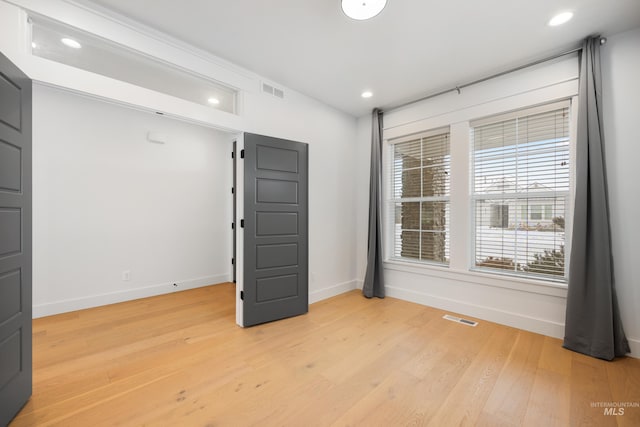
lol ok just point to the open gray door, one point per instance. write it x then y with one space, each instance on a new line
275 280
15 240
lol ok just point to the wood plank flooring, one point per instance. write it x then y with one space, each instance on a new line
180 360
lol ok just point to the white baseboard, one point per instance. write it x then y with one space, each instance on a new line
635 347
516 320
64 306
332 291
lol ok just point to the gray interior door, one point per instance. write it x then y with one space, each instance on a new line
15 240
275 229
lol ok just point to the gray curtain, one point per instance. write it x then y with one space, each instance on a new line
592 324
374 277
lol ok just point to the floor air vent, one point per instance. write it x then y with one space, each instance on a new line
459 320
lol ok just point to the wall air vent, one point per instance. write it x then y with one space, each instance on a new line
459 320
272 90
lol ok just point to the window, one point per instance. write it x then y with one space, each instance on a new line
119 62
419 199
520 188
536 212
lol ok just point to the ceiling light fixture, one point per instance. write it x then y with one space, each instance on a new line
34 45
367 94
362 9
71 43
560 19
214 101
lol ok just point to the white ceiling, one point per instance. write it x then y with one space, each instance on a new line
413 48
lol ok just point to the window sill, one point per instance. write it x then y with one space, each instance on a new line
480 278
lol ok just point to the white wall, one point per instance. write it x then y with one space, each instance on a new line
621 91
107 200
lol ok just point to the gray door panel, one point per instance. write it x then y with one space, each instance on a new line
275 230
15 240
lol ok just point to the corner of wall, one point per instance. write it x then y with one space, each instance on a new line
332 291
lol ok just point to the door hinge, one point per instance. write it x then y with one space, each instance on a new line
233 225
242 223
233 155
242 154
233 261
233 190
242 295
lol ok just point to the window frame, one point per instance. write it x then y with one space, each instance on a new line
568 194
389 215
461 222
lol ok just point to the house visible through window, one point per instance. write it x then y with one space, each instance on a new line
520 189
420 167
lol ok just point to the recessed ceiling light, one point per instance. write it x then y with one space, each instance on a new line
214 101
362 9
71 43
34 45
560 19
366 94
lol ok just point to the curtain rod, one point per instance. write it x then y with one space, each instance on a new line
484 79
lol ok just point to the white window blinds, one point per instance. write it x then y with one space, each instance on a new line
419 202
520 188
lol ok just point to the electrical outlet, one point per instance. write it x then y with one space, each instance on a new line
126 275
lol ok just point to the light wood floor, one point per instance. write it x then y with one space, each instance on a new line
180 360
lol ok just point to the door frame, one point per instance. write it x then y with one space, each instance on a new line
239 231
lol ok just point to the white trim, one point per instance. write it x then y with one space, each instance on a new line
556 289
516 320
388 209
73 304
523 112
332 291
78 81
239 230
553 92
635 347
136 107
459 221
444 130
